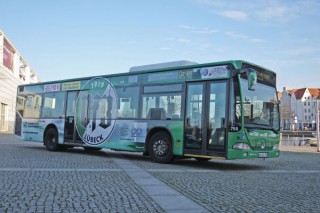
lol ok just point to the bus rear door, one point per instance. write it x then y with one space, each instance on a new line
70 132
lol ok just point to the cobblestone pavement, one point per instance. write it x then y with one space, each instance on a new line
33 179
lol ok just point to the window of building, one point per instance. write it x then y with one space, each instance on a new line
305 103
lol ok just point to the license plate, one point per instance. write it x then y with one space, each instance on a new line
263 155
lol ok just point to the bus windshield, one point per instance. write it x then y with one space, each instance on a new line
260 107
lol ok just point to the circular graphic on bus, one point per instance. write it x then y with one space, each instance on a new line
96 111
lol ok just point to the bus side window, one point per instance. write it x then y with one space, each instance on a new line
53 105
171 111
128 102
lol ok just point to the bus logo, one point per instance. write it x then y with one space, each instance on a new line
96 111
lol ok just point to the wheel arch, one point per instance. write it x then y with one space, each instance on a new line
49 126
151 132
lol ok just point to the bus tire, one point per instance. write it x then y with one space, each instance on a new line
51 140
160 147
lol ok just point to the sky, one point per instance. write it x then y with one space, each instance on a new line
65 39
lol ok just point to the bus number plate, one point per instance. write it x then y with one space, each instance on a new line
263 155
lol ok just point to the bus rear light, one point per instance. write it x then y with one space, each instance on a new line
243 146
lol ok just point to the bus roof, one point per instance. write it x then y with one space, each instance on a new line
162 65
154 68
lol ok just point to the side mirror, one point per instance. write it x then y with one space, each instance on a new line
251 76
252 79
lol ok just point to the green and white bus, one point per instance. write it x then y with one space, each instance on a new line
225 110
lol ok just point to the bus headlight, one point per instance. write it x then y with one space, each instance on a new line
243 146
276 147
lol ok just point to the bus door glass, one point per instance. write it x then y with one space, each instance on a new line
70 116
205 119
194 116
217 116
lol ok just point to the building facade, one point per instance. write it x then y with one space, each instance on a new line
14 70
298 108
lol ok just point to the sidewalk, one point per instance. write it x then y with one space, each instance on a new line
299 149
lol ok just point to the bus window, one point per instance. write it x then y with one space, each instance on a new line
32 105
128 102
171 104
167 97
53 105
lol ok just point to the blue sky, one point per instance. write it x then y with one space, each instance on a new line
67 39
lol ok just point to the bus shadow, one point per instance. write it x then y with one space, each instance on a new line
179 163
188 163
221 165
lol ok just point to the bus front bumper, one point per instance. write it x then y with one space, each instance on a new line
245 154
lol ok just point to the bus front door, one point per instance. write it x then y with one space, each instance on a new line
70 133
205 119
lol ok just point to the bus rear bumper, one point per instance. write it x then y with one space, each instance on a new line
246 154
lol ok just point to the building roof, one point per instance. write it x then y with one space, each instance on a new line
315 92
299 93
290 91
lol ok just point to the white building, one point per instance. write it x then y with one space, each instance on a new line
299 108
14 70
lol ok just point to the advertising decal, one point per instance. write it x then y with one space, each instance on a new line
213 72
7 55
96 112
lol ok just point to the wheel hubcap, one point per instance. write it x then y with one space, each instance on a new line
161 148
51 139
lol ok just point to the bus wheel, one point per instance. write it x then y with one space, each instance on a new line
51 140
160 147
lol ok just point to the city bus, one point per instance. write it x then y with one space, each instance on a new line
225 110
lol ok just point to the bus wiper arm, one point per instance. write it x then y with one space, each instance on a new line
261 126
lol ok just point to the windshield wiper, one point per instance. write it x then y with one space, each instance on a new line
261 126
